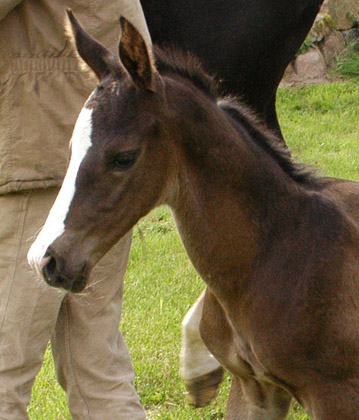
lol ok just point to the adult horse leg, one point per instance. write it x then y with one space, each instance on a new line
271 119
199 369
252 400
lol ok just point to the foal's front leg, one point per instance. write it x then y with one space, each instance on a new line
252 400
198 368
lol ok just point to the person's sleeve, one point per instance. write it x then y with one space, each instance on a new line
6 6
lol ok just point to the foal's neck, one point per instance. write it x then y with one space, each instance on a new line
229 192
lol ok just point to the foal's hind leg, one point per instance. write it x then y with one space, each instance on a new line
252 400
199 369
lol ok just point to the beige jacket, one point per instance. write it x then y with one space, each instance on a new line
42 87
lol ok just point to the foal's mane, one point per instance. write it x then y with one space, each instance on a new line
172 61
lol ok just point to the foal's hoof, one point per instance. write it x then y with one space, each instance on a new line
203 389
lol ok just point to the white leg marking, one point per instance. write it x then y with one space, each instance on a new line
195 360
54 225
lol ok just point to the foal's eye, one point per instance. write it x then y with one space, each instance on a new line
124 160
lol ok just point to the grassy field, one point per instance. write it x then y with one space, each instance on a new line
320 123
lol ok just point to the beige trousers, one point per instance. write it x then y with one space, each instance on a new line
92 361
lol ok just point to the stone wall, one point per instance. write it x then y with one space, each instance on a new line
345 13
334 27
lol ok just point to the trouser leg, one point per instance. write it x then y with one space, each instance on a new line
28 307
92 360
87 327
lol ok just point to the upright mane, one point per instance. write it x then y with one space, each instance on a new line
185 64
172 61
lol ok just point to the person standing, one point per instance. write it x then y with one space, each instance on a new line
42 89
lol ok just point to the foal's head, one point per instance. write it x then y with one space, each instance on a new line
119 165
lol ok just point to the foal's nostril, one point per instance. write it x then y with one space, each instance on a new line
57 273
49 268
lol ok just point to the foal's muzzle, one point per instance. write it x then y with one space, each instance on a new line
58 274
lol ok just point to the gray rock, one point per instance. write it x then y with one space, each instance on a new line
344 13
331 46
311 64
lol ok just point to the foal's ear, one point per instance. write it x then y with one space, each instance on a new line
136 56
100 60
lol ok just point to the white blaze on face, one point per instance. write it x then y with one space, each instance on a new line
55 223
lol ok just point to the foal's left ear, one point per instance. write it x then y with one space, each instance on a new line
136 57
99 59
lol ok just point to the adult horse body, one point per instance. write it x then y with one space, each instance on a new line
277 247
247 44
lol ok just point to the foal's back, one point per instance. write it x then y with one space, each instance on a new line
345 193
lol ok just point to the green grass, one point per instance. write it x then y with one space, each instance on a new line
348 61
320 124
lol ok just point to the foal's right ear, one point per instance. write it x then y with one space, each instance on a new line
136 57
100 60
